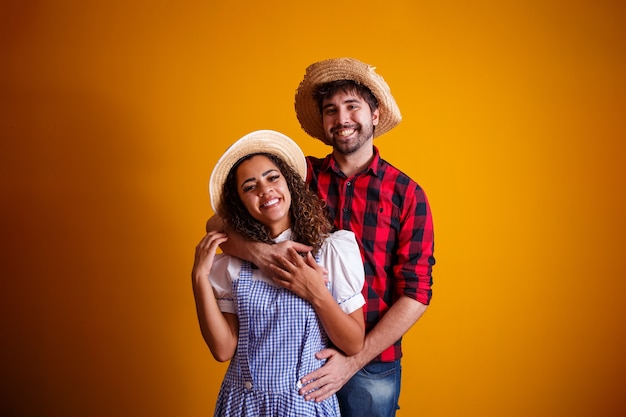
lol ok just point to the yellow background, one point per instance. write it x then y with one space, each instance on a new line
112 114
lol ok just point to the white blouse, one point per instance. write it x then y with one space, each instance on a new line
339 254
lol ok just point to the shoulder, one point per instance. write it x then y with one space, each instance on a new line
340 248
313 160
225 269
339 239
315 164
345 270
397 182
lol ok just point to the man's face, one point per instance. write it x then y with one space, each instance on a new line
348 121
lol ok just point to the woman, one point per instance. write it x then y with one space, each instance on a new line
271 327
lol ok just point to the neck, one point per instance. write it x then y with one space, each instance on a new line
276 229
355 162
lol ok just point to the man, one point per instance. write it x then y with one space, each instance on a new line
344 103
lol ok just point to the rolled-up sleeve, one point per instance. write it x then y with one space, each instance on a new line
413 270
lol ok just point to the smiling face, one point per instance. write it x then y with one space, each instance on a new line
264 193
348 121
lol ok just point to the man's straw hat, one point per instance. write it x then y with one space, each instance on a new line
322 72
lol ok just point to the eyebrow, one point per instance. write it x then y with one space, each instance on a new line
264 174
350 100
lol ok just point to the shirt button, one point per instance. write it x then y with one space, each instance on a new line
348 183
248 385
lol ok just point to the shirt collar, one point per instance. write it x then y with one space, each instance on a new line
373 168
283 237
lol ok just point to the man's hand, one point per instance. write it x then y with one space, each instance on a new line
260 254
327 380
264 255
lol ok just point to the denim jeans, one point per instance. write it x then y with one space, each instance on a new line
373 391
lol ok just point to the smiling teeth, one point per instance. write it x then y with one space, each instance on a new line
270 202
346 132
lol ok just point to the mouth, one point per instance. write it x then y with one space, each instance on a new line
269 203
344 131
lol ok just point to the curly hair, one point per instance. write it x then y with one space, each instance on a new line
310 225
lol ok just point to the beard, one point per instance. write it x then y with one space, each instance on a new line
362 134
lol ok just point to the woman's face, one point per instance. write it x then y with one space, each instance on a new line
264 193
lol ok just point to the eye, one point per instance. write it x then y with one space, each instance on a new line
273 177
248 188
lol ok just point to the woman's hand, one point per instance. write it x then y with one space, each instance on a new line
299 274
205 254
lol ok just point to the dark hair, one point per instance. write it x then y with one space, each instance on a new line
329 89
309 223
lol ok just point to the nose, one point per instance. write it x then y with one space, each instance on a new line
265 189
343 116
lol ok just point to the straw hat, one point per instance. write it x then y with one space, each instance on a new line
329 70
260 141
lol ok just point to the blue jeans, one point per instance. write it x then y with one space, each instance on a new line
373 391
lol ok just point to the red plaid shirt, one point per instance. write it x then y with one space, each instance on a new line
390 216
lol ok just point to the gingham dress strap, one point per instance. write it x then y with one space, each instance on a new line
243 307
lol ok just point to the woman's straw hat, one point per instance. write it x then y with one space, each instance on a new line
322 72
260 141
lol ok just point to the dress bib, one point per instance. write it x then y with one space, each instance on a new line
279 334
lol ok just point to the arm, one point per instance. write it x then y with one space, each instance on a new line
260 254
338 369
219 330
305 277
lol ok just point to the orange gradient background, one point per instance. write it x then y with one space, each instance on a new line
112 114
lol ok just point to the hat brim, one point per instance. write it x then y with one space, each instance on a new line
307 110
260 141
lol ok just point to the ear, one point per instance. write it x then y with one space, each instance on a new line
375 118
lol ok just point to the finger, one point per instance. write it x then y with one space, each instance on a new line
279 275
210 236
287 261
325 354
295 258
308 389
216 242
284 263
210 243
310 261
215 235
320 394
316 375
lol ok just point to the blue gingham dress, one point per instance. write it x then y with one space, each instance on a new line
279 334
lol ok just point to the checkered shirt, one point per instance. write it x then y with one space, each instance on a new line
390 216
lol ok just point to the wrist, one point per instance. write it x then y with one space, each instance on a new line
200 279
321 298
361 359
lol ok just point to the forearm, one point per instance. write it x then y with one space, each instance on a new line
346 331
402 315
218 332
256 252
